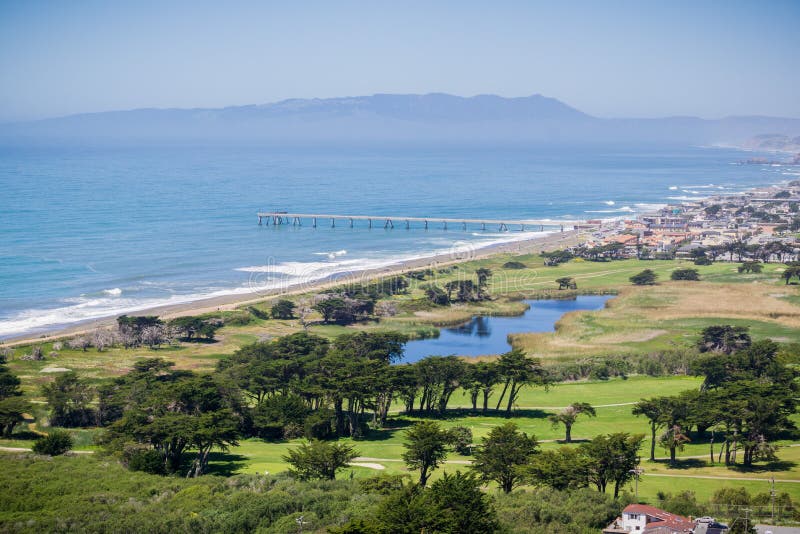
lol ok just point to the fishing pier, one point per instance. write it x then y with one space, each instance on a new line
278 218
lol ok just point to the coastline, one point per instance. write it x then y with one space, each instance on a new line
234 301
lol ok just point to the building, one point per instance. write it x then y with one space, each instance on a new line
649 520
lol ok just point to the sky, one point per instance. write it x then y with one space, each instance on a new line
607 58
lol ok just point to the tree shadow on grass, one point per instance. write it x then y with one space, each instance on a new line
777 465
686 463
460 413
24 435
225 463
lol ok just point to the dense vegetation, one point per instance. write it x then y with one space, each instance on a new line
85 494
157 420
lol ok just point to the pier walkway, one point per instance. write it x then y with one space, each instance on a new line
278 218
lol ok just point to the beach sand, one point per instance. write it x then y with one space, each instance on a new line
549 241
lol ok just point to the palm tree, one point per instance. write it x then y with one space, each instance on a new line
569 415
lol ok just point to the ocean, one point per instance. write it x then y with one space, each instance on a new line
90 232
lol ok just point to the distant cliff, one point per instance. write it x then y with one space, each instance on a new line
774 142
430 118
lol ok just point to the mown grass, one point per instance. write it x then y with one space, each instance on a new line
637 320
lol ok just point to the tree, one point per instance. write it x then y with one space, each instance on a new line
55 443
685 274
138 330
645 278
453 504
70 401
566 282
517 371
425 448
460 501
561 469
283 309
460 438
502 454
723 338
612 458
655 411
190 327
317 459
790 272
481 379
329 308
12 406
170 412
12 413
440 377
437 295
674 439
569 415
217 428
465 290
483 279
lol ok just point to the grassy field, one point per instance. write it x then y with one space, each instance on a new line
637 320
613 399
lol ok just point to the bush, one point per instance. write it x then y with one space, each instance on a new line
145 460
237 318
644 278
55 443
702 260
685 274
750 267
258 314
514 265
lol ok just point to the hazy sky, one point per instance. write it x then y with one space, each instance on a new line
638 58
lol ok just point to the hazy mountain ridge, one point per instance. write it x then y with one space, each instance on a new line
394 117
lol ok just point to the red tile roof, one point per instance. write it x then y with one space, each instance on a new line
663 519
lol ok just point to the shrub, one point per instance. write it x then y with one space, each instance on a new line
644 278
53 444
702 260
237 318
257 313
685 274
750 267
514 265
145 460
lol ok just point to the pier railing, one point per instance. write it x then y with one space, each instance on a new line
279 218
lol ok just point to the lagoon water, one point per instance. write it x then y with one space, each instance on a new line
489 335
92 232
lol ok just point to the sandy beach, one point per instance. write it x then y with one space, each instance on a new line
549 241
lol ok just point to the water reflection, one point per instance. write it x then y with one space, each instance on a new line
489 335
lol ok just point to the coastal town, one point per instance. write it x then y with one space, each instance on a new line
759 225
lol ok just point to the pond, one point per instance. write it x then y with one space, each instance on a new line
489 335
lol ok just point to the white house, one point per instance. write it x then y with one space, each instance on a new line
649 520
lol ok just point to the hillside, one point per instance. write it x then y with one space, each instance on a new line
430 118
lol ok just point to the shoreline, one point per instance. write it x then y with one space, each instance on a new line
234 301
229 302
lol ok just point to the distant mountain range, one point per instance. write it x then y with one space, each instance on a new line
429 118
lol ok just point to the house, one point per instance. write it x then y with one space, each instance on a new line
649 520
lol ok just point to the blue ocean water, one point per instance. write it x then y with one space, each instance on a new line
93 232
489 335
